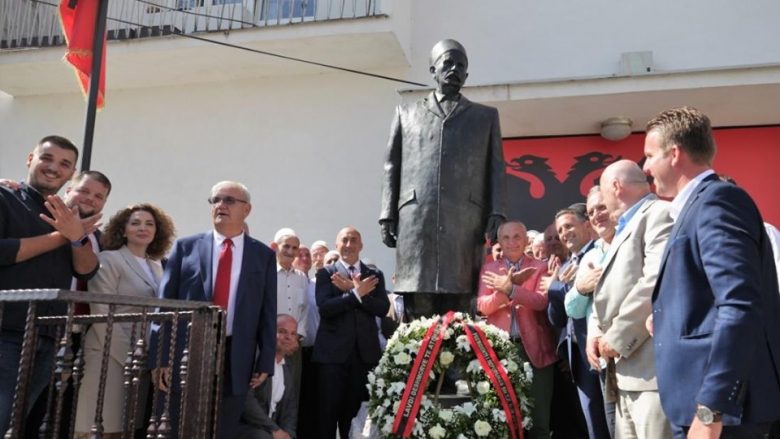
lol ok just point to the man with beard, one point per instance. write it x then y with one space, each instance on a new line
39 251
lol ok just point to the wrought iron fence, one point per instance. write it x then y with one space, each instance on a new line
35 23
198 362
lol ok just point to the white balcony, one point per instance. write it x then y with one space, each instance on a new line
149 44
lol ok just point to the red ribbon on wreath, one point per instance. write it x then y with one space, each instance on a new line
418 380
426 357
500 380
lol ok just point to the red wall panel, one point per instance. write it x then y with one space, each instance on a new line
546 174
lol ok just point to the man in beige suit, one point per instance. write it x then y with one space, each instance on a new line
622 301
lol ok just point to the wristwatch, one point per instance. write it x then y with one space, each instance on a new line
706 415
80 242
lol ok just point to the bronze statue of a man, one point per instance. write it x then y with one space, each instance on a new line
443 189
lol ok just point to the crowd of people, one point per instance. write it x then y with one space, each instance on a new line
642 314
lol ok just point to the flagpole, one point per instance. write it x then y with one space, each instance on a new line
94 83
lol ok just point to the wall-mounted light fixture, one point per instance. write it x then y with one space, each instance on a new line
616 128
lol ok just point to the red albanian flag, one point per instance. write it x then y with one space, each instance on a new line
78 23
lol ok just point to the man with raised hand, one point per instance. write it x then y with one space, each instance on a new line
43 244
350 296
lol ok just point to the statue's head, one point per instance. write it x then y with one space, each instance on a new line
449 66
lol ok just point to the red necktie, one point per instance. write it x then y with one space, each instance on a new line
222 284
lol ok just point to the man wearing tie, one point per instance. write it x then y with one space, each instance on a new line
574 232
715 305
350 296
238 273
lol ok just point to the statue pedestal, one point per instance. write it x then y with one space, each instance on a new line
420 304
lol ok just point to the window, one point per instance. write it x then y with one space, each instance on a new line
287 9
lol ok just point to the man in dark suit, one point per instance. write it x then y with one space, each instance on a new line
350 296
443 189
271 410
234 271
574 232
716 303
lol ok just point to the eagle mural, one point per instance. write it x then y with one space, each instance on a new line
535 192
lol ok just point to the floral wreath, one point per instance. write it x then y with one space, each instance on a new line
498 381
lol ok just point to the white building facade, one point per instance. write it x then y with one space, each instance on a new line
182 114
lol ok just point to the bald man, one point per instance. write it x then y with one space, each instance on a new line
622 301
350 296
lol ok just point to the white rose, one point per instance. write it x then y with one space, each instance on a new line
387 425
402 359
445 415
511 366
467 408
418 429
446 358
371 377
483 387
482 428
462 342
380 383
499 416
437 432
396 388
448 333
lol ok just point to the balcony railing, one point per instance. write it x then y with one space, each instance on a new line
197 365
35 23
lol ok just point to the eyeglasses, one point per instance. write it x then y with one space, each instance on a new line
227 200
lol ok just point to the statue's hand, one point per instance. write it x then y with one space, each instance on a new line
491 231
389 233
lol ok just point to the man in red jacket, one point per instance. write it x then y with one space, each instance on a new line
511 298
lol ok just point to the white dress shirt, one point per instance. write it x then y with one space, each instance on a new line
277 386
235 271
679 201
291 295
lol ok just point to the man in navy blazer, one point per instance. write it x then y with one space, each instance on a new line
350 297
192 274
716 303
575 233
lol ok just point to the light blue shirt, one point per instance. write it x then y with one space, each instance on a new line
627 215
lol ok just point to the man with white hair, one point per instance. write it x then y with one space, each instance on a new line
318 250
622 301
291 283
239 277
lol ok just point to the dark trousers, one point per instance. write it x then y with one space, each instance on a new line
10 356
308 401
566 417
591 399
230 406
342 388
749 431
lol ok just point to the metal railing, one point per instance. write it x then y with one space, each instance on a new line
197 360
35 23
